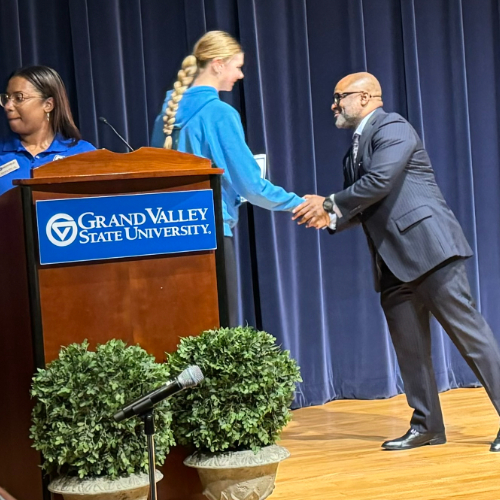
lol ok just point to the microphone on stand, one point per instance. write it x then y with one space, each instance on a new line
190 377
103 120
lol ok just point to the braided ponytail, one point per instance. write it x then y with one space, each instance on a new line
184 79
212 45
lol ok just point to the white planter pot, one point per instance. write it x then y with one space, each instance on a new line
134 487
239 474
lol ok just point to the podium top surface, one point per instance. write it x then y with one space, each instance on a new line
102 165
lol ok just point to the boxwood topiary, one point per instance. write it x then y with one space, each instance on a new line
243 403
77 396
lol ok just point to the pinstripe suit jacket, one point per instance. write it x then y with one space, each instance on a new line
395 197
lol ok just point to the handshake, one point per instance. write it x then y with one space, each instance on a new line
311 212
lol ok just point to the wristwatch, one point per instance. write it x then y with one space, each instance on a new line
328 205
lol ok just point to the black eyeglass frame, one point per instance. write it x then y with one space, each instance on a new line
337 97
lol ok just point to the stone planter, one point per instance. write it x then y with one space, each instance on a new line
134 487
240 474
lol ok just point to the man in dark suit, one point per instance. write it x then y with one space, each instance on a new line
418 250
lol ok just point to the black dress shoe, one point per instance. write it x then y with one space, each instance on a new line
414 439
495 446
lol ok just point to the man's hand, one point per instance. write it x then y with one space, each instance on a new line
312 212
319 222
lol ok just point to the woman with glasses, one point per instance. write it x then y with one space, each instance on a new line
195 120
39 116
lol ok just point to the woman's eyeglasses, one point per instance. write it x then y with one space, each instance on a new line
17 98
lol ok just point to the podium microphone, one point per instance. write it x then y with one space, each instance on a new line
103 120
190 377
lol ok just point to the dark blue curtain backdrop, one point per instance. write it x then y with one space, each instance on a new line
438 62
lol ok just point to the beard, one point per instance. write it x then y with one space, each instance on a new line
344 120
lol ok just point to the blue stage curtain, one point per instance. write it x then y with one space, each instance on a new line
438 63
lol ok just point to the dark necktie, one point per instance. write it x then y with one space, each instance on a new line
354 153
355 146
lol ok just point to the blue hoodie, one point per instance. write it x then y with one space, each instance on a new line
211 128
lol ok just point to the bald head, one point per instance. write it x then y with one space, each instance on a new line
365 82
361 95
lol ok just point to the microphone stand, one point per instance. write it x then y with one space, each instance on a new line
149 429
103 120
144 408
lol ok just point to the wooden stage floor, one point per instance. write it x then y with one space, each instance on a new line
336 452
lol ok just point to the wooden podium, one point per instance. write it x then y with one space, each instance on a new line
151 301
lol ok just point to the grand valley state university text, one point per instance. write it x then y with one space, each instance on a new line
131 222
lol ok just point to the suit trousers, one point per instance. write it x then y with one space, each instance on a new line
443 292
231 280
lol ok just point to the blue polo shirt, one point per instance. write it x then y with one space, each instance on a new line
16 162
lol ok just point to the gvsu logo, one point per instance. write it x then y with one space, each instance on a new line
115 227
61 230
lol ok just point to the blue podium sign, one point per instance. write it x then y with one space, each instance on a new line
112 227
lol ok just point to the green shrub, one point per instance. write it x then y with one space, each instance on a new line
77 396
243 403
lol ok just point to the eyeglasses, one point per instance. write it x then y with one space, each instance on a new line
338 97
17 98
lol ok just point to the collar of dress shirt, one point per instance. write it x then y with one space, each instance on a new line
361 126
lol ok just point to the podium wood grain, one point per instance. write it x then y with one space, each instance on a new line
151 301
